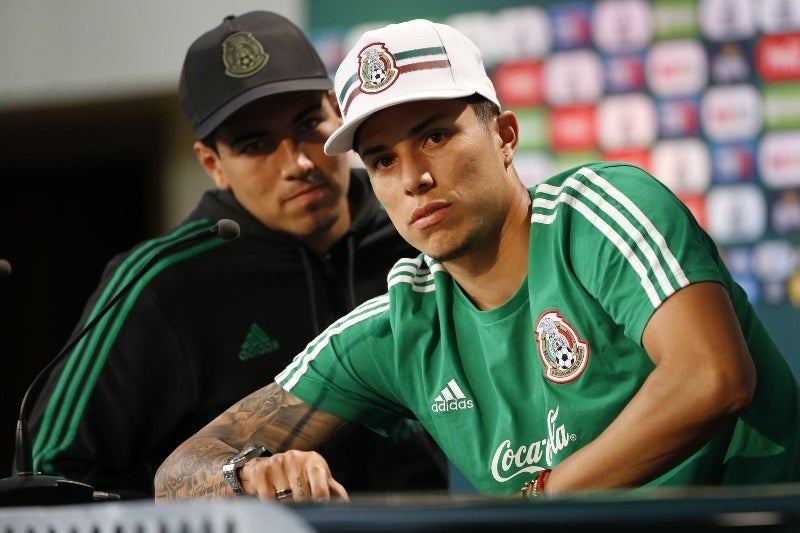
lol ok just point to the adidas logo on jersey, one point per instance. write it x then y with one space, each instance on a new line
451 398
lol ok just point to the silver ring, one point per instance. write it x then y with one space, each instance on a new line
281 494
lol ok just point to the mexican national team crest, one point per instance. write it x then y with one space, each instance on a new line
377 69
563 353
243 55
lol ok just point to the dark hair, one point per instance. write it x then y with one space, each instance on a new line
484 109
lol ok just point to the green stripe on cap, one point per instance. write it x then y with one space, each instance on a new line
408 67
419 52
400 56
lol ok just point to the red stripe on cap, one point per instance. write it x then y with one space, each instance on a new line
412 67
424 65
350 100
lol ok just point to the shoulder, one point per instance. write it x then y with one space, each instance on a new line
411 300
604 176
604 186
412 283
415 274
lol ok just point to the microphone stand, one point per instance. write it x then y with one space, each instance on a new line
31 488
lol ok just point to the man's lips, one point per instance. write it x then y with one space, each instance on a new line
429 214
306 191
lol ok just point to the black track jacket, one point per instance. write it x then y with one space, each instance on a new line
206 325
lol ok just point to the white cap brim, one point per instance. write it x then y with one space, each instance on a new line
400 63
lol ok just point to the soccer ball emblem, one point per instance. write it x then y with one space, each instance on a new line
565 357
376 75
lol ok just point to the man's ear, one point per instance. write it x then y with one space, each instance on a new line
508 130
209 160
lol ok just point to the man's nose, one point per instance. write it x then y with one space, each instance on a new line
294 156
416 178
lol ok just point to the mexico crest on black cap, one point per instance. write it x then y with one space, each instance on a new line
246 57
243 55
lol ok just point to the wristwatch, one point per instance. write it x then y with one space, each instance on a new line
230 470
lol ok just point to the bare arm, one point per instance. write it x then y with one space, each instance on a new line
704 375
271 417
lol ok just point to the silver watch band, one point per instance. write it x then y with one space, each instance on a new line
230 470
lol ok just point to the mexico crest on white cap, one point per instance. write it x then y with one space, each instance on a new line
406 62
377 68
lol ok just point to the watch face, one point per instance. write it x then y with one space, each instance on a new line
250 451
243 453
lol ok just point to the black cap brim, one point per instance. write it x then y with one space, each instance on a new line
223 113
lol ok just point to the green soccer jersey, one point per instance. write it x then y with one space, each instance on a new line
516 389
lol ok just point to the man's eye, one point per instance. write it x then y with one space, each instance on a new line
310 124
436 137
259 146
381 163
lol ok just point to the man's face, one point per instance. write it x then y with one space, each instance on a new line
440 172
270 154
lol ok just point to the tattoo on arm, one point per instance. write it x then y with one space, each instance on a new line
276 419
270 416
193 474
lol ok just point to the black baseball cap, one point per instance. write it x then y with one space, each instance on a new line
245 58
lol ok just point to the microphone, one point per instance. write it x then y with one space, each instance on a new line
31 488
5 268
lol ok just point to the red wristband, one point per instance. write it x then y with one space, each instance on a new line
535 486
538 488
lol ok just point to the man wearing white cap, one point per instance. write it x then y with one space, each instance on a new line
581 334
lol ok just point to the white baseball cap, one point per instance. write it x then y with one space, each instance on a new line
406 62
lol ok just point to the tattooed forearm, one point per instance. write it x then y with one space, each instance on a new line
193 474
274 418
270 417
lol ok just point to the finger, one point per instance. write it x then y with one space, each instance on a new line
307 472
322 486
291 476
265 478
338 490
294 464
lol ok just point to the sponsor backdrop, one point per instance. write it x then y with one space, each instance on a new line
705 94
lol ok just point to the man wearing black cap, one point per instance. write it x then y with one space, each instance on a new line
215 320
